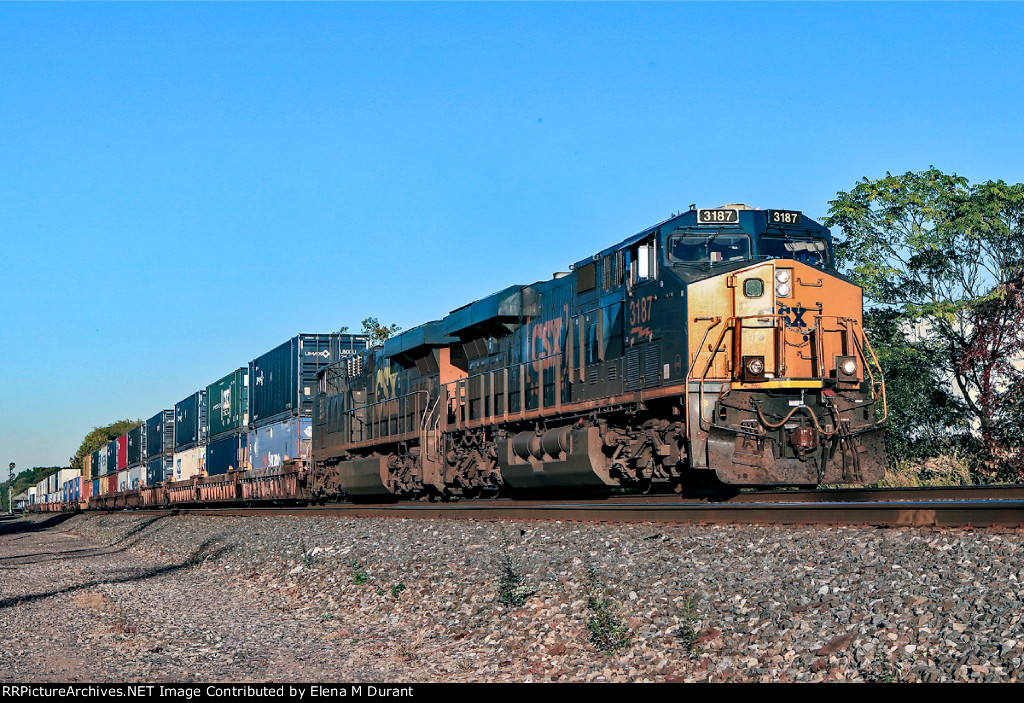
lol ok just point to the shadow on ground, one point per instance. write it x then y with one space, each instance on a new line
39 557
202 553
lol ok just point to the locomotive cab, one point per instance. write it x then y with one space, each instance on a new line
782 387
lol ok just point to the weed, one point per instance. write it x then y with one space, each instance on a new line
686 633
512 588
380 591
358 575
397 588
607 632
884 672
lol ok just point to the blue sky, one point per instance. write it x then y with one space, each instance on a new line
185 186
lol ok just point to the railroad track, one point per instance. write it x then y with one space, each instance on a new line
987 506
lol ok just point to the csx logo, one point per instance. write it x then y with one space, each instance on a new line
794 316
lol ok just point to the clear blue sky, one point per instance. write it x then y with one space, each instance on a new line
185 186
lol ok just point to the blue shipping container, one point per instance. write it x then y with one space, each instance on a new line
272 445
159 468
226 453
282 382
160 433
189 421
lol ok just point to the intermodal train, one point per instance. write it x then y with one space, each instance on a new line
719 348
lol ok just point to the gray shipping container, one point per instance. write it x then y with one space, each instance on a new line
282 382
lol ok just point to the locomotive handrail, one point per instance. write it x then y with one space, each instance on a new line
731 325
522 377
715 321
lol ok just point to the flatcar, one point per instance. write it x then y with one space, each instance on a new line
719 347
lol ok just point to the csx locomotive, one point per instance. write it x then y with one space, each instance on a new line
718 347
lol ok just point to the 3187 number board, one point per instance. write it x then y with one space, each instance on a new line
718 216
783 217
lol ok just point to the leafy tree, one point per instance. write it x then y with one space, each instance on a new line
378 332
99 436
944 256
925 418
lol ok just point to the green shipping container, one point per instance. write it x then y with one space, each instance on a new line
227 403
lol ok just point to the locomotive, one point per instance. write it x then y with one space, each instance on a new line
719 347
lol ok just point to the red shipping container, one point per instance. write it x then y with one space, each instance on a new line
122 452
86 490
111 483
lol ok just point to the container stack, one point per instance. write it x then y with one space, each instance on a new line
282 387
160 447
136 439
111 474
190 436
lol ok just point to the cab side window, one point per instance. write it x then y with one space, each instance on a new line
643 262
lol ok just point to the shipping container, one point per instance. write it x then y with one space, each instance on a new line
282 382
189 421
160 434
227 404
136 477
122 481
189 462
272 445
159 468
99 466
95 486
111 483
136 445
87 486
67 474
122 452
87 467
112 457
227 453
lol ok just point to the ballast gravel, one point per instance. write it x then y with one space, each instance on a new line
131 598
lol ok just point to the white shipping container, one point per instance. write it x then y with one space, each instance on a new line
136 477
122 480
189 463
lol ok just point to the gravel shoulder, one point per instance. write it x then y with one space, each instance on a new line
126 597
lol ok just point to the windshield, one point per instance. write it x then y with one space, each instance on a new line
711 247
807 251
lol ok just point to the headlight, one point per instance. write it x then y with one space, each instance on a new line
782 290
782 276
755 366
849 367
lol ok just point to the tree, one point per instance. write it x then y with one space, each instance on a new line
925 418
943 256
378 332
99 436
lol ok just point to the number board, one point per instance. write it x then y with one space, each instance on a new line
784 217
718 216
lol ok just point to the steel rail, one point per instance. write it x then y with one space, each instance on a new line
938 507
